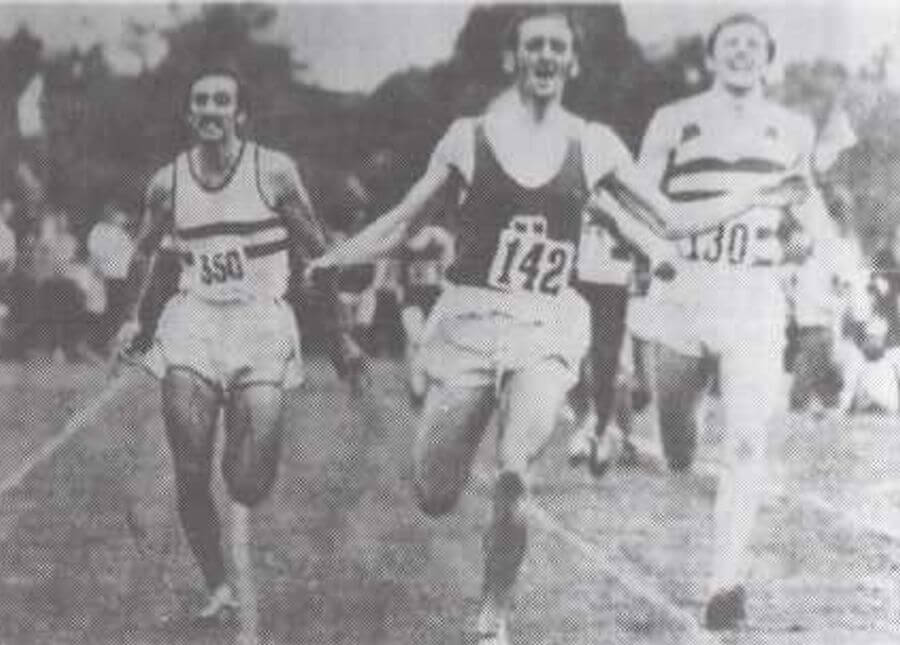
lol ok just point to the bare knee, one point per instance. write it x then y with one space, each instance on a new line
434 496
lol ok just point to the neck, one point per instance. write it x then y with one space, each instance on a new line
537 111
218 156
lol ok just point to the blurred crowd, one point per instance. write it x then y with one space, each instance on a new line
843 331
61 292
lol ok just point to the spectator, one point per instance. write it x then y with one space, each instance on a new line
885 287
871 384
110 248
815 290
60 301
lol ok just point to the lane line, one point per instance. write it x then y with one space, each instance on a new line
76 423
634 583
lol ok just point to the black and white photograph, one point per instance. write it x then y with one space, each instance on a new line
450 323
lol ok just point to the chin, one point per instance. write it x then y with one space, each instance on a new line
742 81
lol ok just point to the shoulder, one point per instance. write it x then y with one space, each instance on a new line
274 164
603 151
599 135
461 131
456 149
797 125
277 175
163 177
682 110
161 186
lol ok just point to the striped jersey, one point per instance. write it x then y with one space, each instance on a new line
713 148
234 246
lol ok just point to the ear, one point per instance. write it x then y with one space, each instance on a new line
574 69
509 62
241 118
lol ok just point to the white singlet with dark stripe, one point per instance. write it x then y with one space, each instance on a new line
716 149
234 246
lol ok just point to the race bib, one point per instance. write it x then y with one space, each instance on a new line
219 266
526 260
736 244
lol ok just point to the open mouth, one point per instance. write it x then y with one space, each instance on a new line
741 65
546 72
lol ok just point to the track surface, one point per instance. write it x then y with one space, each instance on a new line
90 551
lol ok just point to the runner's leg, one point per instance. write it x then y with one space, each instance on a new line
532 398
190 411
450 431
679 386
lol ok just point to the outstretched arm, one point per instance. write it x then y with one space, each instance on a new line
387 232
675 220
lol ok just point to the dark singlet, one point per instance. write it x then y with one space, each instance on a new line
517 239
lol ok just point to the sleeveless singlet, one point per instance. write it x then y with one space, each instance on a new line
234 247
517 239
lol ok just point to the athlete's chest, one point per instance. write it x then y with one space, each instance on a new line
199 200
531 159
731 137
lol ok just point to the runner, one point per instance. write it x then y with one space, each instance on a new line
226 341
725 302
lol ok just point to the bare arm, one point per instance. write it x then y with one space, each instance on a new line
308 239
675 220
156 222
638 187
289 198
389 231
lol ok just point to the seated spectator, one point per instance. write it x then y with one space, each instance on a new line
871 384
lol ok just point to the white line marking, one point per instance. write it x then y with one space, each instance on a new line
76 423
632 582
638 587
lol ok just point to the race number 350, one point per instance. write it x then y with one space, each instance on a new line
218 268
527 260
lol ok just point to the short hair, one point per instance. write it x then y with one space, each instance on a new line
243 99
523 14
741 19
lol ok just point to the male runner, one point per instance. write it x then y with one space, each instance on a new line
424 260
725 301
226 341
509 331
